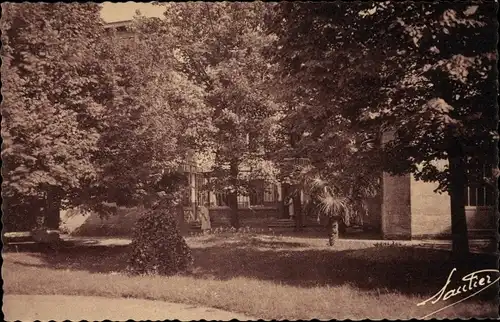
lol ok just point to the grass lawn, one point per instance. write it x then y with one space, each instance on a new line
265 276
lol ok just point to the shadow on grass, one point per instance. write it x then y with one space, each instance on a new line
249 242
406 270
393 268
94 259
321 233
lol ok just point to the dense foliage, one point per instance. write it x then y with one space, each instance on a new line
423 75
222 47
54 94
155 116
420 69
157 245
90 118
293 91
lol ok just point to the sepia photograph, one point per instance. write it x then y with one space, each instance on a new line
330 160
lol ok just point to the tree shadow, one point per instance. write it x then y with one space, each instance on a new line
394 268
91 258
406 270
249 241
320 232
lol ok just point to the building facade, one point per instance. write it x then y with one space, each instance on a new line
411 209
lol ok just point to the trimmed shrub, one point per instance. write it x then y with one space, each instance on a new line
157 245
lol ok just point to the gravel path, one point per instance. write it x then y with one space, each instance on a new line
93 308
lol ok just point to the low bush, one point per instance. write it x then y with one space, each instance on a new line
231 230
157 245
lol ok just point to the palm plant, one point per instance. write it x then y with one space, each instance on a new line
329 201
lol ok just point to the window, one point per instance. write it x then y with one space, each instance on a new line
271 193
252 142
201 193
243 201
221 199
257 192
479 194
262 193
186 196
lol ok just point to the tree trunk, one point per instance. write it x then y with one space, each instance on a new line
285 209
458 182
233 196
181 220
333 230
342 228
297 210
52 208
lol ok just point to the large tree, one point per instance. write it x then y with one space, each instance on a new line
53 98
155 116
444 108
331 67
222 47
423 71
90 119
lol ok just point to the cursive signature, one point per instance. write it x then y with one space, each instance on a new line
471 284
